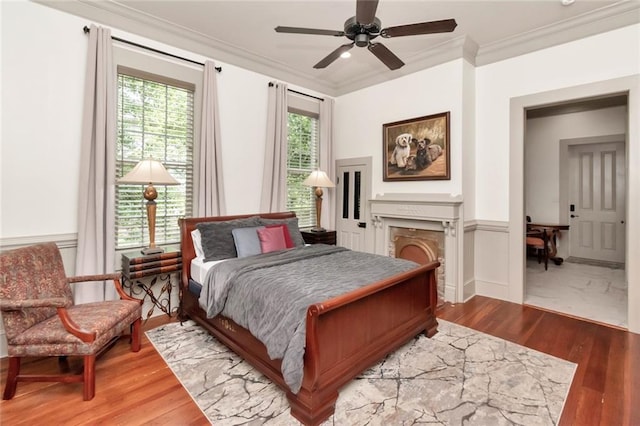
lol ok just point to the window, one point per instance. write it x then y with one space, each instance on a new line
302 159
155 119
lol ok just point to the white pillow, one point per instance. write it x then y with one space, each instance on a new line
197 243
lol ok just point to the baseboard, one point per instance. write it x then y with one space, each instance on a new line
492 289
449 293
469 290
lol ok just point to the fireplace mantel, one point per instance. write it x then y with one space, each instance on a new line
431 207
439 212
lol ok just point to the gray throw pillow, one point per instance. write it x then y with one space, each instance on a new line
217 239
292 224
247 241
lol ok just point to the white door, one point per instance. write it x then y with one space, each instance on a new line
597 201
352 183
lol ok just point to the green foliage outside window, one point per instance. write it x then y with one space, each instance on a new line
154 120
301 161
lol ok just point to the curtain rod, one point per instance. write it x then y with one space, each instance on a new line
87 30
271 84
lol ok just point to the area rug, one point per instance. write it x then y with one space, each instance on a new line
458 377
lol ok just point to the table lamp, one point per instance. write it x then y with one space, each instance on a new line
149 172
318 179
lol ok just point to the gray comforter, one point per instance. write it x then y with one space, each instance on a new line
269 294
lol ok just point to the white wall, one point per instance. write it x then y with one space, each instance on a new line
359 117
594 66
601 57
44 59
542 154
42 87
42 83
43 69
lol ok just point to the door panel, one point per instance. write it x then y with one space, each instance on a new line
597 188
352 193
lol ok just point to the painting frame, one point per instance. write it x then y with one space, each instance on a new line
404 144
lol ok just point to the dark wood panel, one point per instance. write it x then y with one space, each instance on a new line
135 265
326 237
132 275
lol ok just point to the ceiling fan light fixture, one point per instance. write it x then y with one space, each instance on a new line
365 27
362 40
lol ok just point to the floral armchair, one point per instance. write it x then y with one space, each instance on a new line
40 318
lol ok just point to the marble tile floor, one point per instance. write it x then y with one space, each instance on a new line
596 293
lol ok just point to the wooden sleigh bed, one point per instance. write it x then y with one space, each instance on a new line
345 335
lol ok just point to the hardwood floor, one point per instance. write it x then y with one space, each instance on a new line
139 388
606 387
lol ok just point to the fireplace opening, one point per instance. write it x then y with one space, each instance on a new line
421 246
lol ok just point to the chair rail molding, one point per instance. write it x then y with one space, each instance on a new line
64 241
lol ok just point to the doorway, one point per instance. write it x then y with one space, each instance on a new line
579 183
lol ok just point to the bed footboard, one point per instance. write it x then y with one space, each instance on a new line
348 334
344 335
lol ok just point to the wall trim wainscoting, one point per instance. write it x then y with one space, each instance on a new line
64 241
468 269
490 258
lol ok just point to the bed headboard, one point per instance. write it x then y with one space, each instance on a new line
189 224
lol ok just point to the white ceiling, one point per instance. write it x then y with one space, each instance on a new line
242 32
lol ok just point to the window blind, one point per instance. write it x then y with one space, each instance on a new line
155 119
302 159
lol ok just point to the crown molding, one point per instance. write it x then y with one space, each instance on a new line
608 18
126 19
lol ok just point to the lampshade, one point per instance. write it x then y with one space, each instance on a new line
319 179
149 171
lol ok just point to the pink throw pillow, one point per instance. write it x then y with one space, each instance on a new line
271 239
285 231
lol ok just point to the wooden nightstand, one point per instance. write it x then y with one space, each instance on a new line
159 266
326 237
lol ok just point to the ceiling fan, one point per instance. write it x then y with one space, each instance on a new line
365 26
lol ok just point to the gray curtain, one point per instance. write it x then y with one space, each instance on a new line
209 184
327 162
274 176
96 195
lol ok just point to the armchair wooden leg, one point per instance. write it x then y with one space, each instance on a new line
136 335
89 385
12 377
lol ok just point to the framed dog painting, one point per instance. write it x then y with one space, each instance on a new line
417 149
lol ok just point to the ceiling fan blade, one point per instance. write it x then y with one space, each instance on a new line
333 56
313 31
385 55
366 11
432 27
